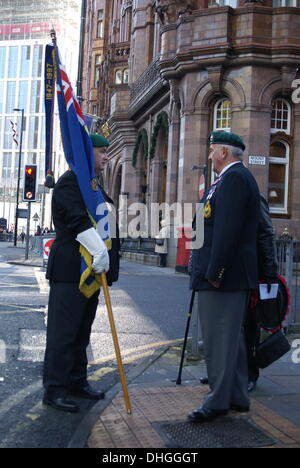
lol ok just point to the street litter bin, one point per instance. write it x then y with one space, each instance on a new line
183 249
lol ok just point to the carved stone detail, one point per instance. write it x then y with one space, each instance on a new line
215 75
169 10
174 88
288 74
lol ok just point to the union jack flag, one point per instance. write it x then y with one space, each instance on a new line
69 94
79 154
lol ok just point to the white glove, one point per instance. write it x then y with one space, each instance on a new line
93 243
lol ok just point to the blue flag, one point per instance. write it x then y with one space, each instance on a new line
79 154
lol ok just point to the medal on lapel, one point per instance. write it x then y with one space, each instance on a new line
207 206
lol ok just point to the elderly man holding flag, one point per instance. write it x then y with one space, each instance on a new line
79 252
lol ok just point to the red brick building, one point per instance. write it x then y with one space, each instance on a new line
172 71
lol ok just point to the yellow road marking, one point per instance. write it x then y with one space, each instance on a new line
135 351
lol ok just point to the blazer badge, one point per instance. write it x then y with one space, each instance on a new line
94 184
207 210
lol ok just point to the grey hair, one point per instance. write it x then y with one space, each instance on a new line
237 153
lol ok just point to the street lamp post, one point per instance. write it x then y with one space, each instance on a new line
19 176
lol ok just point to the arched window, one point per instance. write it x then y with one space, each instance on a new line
126 76
278 176
222 115
281 116
118 77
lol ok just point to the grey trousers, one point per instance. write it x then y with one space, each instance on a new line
222 316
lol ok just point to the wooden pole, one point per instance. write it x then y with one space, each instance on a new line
116 342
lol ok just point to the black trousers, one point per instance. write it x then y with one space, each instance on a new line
163 259
70 319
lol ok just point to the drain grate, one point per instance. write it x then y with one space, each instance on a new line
222 433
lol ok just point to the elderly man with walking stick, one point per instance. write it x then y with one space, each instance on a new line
224 270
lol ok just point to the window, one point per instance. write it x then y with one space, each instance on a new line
284 3
6 167
118 77
281 116
10 96
2 61
231 3
126 76
37 60
100 24
122 76
33 133
25 61
1 96
13 62
96 77
35 96
97 70
278 177
16 165
222 115
23 93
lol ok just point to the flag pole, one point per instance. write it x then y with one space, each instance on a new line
116 342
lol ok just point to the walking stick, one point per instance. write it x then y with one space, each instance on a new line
178 381
116 342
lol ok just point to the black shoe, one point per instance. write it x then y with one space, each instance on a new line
240 409
87 392
251 385
61 404
204 380
203 415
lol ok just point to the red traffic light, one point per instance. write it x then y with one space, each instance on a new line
29 192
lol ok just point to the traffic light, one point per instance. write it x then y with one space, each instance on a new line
30 183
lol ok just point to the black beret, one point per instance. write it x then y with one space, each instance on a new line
226 138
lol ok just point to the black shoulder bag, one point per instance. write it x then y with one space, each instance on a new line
276 345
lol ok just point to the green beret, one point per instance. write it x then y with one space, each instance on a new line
98 140
226 138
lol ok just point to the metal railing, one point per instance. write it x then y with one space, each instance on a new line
288 254
149 78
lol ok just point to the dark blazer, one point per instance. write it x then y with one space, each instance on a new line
70 218
267 256
229 252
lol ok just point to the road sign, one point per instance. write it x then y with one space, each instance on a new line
35 217
47 243
22 213
257 160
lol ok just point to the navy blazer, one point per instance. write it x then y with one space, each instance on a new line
70 218
229 251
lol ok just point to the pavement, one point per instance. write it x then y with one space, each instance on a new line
159 406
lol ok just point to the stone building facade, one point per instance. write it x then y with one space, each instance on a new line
173 71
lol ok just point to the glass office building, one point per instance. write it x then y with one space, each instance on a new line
24 32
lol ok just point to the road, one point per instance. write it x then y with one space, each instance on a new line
150 308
